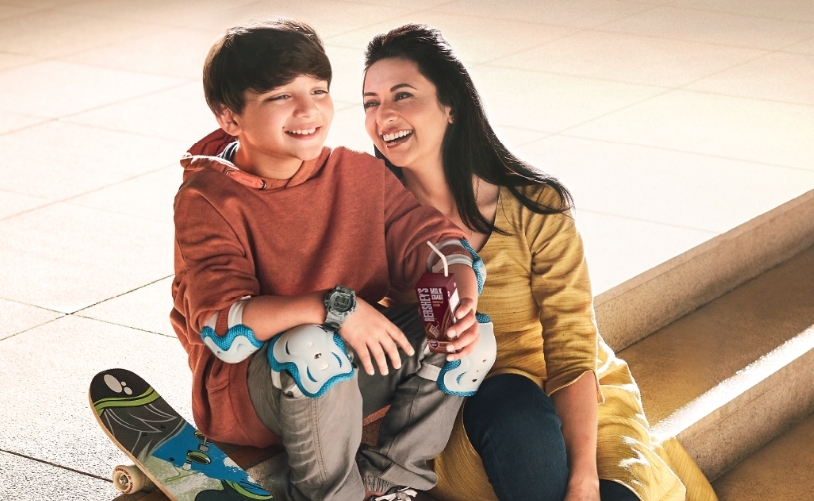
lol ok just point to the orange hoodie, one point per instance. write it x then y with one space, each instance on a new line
341 219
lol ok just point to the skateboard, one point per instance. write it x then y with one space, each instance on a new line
165 449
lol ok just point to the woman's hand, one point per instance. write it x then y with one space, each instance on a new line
465 330
582 488
373 337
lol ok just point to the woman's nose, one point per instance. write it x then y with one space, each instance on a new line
385 114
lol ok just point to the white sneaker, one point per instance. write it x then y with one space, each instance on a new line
397 493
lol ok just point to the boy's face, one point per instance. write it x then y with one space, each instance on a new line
283 127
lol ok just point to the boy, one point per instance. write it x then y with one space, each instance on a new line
268 221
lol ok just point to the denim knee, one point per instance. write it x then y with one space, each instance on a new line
513 425
614 491
507 403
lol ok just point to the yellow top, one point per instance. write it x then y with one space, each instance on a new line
538 295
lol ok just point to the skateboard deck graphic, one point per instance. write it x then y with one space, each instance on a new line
175 456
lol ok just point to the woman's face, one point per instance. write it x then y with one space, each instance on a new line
403 116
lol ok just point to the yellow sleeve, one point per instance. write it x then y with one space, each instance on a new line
562 290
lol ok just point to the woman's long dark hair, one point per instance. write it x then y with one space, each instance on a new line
470 145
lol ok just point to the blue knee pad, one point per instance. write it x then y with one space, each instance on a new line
315 357
463 377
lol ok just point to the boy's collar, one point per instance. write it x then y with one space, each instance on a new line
203 154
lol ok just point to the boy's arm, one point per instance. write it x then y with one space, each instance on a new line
466 327
374 338
268 316
408 227
219 289
218 273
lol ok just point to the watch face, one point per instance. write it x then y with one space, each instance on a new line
341 302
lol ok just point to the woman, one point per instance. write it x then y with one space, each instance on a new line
534 429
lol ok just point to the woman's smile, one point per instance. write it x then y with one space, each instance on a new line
403 115
395 138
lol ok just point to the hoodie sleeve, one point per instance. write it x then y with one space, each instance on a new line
408 227
213 270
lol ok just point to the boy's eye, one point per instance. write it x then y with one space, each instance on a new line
279 98
321 91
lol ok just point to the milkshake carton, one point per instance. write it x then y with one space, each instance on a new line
437 301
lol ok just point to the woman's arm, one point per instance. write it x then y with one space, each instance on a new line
577 409
561 286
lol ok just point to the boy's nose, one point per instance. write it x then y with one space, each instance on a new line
305 106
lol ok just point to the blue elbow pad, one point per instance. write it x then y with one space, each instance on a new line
238 343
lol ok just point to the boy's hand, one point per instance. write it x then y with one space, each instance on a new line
466 329
371 334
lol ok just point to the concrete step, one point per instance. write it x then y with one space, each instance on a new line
782 469
640 306
729 376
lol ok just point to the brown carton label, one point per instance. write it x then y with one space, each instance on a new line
437 300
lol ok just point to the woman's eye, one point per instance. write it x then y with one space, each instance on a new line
370 104
402 95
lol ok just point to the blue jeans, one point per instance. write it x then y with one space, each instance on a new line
514 427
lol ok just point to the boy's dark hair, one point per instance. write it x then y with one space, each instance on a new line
259 57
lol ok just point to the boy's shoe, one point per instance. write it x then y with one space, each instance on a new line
397 493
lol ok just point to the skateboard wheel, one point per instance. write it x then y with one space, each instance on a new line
129 478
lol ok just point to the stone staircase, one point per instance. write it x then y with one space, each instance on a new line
721 343
728 377
722 347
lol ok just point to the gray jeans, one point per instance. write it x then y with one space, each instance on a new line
322 435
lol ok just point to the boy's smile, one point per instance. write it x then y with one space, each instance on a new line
303 133
281 128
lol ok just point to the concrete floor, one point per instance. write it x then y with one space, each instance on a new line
671 122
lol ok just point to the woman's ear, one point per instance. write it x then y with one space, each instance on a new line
450 114
228 121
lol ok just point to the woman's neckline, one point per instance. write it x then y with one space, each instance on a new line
498 203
